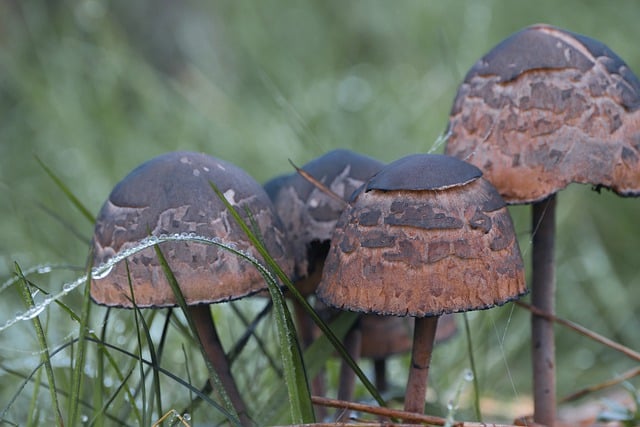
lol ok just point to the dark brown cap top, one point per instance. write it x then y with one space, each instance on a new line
172 194
547 107
423 252
420 172
308 214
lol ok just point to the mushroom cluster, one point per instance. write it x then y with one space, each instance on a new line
425 236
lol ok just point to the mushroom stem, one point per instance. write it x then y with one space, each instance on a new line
201 315
543 297
423 337
352 343
380 370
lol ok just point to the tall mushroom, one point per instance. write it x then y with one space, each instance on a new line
543 109
171 194
423 237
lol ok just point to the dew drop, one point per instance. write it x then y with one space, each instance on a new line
101 272
450 405
44 269
187 416
468 375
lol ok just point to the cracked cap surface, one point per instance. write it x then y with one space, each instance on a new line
545 108
423 252
171 194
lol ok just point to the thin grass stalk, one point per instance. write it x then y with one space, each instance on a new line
215 379
33 404
155 360
45 358
78 369
170 375
189 409
112 362
32 377
86 213
136 315
472 364
259 341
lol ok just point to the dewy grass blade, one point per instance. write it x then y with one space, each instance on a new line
102 351
315 357
42 341
337 344
155 363
78 370
293 364
175 287
72 198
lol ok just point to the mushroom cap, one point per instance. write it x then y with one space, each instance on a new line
308 214
171 194
545 108
423 252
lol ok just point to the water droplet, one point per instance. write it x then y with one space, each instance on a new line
187 416
44 269
101 272
468 375
84 418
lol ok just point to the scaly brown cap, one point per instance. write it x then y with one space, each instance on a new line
308 214
546 108
172 194
439 247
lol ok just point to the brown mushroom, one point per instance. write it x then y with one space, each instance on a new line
545 108
425 236
309 215
171 194
385 336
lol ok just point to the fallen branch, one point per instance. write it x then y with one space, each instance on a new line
582 330
610 383
395 413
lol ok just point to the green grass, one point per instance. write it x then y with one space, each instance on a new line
94 90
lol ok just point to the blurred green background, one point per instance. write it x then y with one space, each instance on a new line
95 88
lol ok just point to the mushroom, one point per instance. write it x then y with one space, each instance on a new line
423 237
171 194
385 336
309 216
545 108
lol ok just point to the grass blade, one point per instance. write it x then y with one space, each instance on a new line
42 341
78 370
72 198
215 379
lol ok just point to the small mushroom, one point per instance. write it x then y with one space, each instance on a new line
385 336
171 194
423 237
543 109
309 215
